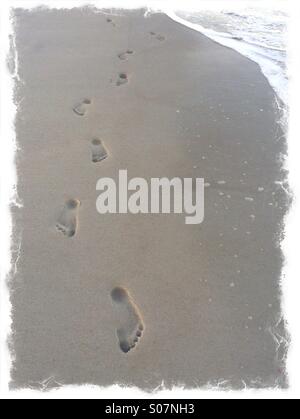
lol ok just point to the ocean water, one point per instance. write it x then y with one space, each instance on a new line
254 29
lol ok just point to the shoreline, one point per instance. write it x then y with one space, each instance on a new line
229 41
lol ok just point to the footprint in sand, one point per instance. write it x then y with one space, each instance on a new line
131 323
123 79
124 55
67 223
81 108
157 36
99 151
109 20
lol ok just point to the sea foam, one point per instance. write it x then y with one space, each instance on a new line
255 32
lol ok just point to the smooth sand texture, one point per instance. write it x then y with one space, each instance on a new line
141 299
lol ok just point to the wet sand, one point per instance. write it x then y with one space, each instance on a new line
144 299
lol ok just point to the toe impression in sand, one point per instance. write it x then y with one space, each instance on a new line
131 325
67 223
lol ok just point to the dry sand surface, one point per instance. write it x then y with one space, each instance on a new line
144 299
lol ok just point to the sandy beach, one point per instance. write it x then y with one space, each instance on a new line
144 299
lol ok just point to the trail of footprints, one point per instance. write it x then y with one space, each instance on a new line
131 325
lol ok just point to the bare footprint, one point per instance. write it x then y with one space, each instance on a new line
67 223
99 151
131 323
124 55
109 20
123 79
81 108
157 36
